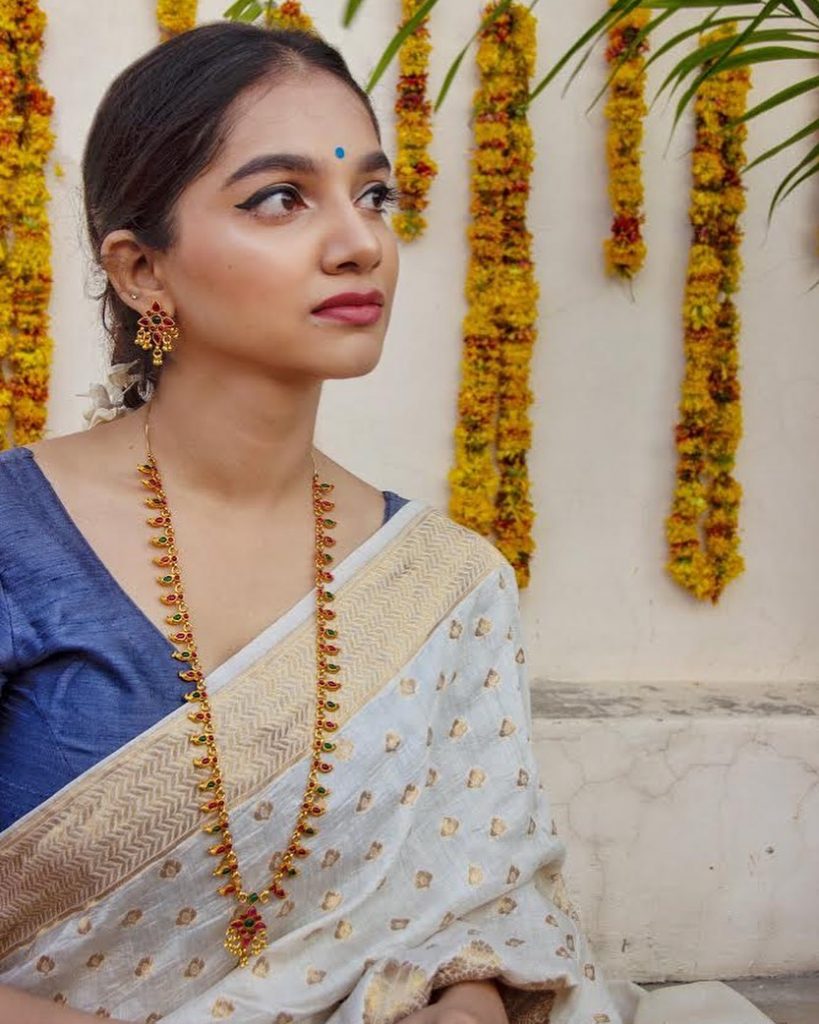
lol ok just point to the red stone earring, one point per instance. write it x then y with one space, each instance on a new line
157 332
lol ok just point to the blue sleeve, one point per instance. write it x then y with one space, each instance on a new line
7 660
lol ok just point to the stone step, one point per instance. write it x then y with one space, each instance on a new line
789 1000
690 813
786 1000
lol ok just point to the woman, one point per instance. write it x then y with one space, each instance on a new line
333 817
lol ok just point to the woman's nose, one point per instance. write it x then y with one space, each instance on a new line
352 241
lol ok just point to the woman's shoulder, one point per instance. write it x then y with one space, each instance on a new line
28 558
14 460
33 522
21 466
18 478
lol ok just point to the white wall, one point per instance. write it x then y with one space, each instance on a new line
606 373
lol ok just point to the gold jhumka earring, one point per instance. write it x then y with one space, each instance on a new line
157 332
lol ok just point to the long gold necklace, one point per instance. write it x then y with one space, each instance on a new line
246 934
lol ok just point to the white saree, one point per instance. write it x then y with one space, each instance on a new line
436 861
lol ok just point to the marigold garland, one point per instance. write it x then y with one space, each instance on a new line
625 250
10 130
489 480
415 170
25 238
175 17
703 528
288 15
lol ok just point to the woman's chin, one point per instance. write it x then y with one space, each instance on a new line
357 365
352 356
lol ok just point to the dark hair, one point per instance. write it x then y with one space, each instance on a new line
161 123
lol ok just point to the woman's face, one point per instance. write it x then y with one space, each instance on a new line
290 214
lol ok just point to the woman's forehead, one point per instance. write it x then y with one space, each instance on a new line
296 113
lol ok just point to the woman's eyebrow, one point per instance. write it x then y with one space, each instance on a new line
293 162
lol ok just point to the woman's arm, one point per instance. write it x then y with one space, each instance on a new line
18 1007
465 1002
479 1001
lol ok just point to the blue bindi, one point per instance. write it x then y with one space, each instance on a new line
340 152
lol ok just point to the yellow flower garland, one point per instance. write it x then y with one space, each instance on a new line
489 480
626 109
25 238
415 169
288 15
175 17
702 529
10 130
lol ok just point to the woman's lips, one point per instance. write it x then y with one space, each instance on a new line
361 316
358 308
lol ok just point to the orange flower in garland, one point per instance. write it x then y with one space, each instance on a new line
489 481
25 260
175 17
626 109
288 15
702 529
415 170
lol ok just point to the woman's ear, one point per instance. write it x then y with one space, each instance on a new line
131 269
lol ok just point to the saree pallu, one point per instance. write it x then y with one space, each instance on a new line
436 860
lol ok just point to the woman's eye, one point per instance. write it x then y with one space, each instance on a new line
282 200
383 197
275 202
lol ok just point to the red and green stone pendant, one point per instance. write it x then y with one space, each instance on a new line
246 934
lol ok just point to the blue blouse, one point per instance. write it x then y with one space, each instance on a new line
82 669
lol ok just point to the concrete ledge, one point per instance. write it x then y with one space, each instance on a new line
785 1000
673 700
790 1000
691 817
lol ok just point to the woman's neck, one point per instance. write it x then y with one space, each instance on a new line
234 437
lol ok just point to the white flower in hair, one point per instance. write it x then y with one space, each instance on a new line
107 399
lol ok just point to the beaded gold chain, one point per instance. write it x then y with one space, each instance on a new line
246 934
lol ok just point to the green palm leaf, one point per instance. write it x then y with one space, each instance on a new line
594 33
350 11
244 10
761 55
712 21
793 178
759 42
397 41
788 93
803 133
